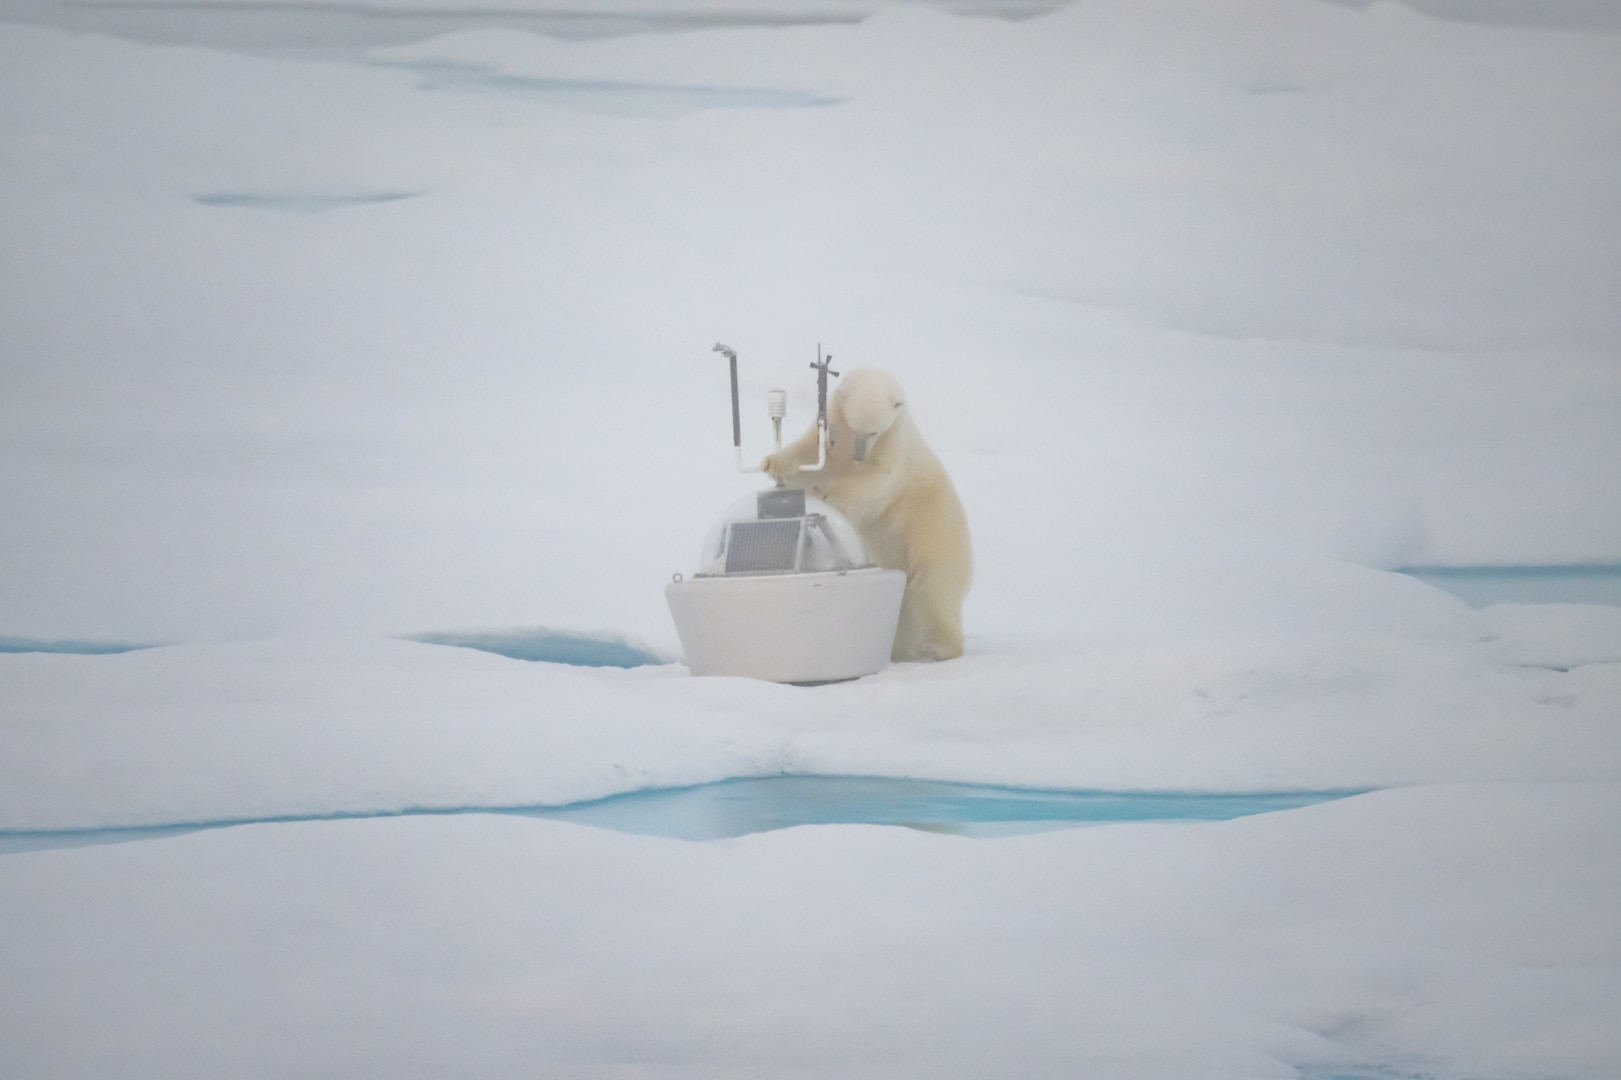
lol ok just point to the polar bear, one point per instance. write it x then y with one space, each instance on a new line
885 479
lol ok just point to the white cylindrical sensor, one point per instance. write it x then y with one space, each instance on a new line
777 407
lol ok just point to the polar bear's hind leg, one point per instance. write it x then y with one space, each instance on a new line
931 619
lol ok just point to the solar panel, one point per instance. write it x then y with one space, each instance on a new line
763 547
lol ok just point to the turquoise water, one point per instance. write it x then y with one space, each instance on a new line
81 648
14 840
739 807
347 31
1478 586
551 646
1363 1072
627 98
733 808
298 202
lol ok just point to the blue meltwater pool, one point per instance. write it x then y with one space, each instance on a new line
1478 586
738 807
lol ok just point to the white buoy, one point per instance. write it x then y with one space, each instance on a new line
786 598
784 591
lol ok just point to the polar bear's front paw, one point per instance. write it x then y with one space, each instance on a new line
777 467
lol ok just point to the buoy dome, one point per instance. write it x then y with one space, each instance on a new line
796 533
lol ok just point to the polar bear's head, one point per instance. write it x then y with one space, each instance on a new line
867 404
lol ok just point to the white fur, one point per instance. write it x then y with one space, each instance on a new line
901 501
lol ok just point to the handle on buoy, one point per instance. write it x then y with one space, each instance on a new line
823 370
737 417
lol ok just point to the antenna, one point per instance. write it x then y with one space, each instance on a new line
822 372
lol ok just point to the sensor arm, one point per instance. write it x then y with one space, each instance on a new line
778 408
737 418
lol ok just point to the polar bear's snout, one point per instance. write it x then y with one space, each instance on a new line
860 444
869 401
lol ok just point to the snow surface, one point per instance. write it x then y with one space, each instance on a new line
309 726
1267 277
1470 927
1217 311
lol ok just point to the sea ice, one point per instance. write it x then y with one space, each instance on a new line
1218 311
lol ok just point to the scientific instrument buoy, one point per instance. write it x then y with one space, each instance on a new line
784 590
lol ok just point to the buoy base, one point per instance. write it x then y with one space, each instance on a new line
788 628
